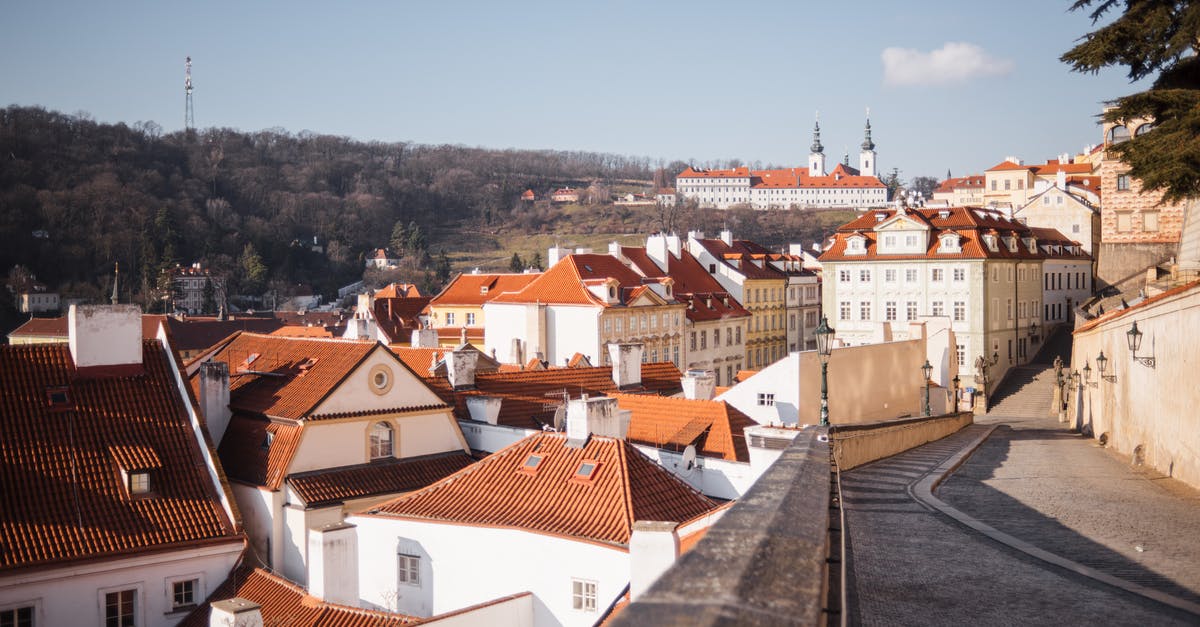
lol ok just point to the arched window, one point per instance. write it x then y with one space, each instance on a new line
1143 129
381 441
1118 134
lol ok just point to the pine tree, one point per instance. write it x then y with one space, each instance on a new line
515 264
1151 37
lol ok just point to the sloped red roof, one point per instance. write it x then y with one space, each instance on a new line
288 391
476 289
418 359
399 317
714 427
970 223
398 290
563 284
974 181
285 603
740 256
290 331
700 173
1053 167
1008 165
246 455
62 498
625 486
321 488
530 397
704 295
187 334
42 327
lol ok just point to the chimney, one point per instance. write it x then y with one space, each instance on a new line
105 335
365 301
656 249
699 385
595 416
1061 178
653 548
556 254
460 368
518 351
333 563
674 246
727 237
235 611
484 408
626 361
214 398
424 338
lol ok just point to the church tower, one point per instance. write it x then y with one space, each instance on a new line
816 158
866 158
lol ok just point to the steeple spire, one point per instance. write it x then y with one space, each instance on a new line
867 143
816 145
116 278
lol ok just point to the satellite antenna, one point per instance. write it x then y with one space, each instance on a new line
689 457
560 418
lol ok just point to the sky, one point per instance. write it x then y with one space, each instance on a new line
951 86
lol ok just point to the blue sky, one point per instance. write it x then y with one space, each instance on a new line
964 84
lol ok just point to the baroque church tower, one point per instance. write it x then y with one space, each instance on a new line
866 158
816 158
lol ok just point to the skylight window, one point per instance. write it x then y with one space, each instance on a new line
532 463
586 471
59 398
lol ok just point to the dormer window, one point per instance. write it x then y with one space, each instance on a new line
949 243
1011 242
483 289
381 441
136 463
944 213
268 439
990 240
1031 244
856 245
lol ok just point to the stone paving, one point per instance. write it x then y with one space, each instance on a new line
1063 493
909 565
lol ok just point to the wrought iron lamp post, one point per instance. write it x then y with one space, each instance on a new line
927 370
955 381
824 335
1102 366
1135 342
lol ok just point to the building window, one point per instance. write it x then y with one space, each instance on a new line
703 340
183 593
716 338
17 617
1122 182
608 325
675 352
738 340
449 318
843 276
139 482
937 274
409 569
889 310
937 308
381 441
119 608
693 340
911 310
1149 220
844 310
864 276
1007 185
470 319
960 311
960 274
583 595
1124 221
889 275
1008 308
766 400
960 351
910 275
1074 228
617 324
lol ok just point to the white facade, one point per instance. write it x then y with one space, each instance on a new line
459 566
1065 284
771 396
76 594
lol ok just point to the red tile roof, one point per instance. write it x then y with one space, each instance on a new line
705 297
42 327
188 334
285 603
476 289
714 427
741 257
699 173
1008 165
626 486
289 391
530 397
250 457
290 331
974 181
63 499
418 359
841 176
398 290
563 284
321 488
1053 167
399 317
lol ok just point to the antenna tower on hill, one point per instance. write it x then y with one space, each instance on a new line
189 116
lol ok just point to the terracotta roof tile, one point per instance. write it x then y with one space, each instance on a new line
714 427
626 486
250 456
418 359
284 393
564 283
399 317
62 498
291 331
398 290
321 488
476 289
703 294
285 603
530 397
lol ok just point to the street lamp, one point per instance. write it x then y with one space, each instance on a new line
1135 342
824 335
1102 366
927 370
1033 329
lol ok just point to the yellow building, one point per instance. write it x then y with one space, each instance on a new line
459 307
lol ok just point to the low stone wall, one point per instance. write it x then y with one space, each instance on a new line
855 445
764 562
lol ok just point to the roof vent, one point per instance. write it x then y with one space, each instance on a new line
59 399
944 213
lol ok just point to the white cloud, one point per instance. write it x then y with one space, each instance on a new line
955 62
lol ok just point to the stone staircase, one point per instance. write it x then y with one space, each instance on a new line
1027 392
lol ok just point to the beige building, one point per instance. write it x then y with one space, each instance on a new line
964 191
458 308
1010 183
1071 208
977 268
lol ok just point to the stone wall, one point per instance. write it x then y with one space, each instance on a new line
855 445
1124 265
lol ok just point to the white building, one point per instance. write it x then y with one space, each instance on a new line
1071 206
790 188
981 270
552 514
308 429
114 510
579 305
1066 277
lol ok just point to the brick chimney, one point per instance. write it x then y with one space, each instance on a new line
626 361
595 416
105 336
214 398
333 563
653 548
235 611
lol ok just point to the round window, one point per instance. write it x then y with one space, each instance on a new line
380 378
